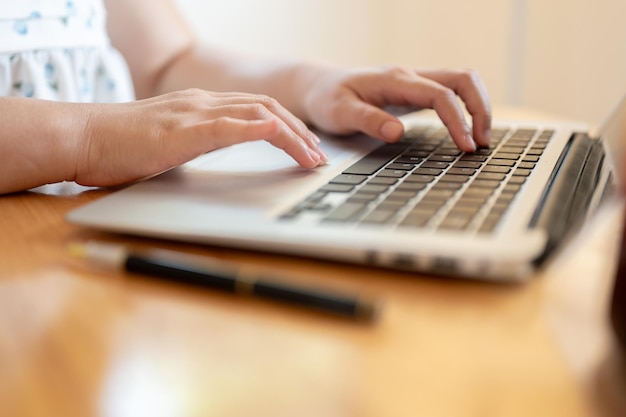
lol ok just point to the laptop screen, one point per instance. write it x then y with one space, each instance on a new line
614 135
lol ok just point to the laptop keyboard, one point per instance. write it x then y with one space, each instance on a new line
424 181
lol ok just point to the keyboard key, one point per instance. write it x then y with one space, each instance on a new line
406 159
449 152
382 181
512 149
400 195
517 180
467 164
495 169
423 147
504 155
501 162
461 171
337 188
379 216
505 198
455 221
428 206
391 205
454 178
428 171
376 159
447 186
491 176
348 179
511 188
478 192
471 201
522 172
373 189
485 184
438 195
473 157
362 198
394 173
520 143
435 164
416 154
411 186
401 166
490 223
483 151
346 211
316 196
442 158
524 133
419 178
416 220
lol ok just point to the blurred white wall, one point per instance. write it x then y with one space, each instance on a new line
564 57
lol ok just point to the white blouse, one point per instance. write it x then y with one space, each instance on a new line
59 50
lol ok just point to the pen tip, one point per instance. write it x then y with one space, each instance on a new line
368 311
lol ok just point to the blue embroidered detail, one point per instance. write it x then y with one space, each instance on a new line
49 70
110 85
25 88
20 27
71 7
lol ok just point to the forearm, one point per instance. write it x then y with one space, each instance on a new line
217 70
37 143
163 61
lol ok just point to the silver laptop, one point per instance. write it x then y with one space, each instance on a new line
418 205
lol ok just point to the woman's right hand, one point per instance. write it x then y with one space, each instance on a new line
125 142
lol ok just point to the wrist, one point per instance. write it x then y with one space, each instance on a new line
39 144
63 138
306 82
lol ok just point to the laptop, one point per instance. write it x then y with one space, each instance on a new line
418 205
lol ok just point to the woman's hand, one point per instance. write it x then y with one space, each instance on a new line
126 142
111 144
346 101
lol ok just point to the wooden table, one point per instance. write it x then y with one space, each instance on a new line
76 341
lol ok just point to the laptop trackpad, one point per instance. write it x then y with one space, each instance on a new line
254 174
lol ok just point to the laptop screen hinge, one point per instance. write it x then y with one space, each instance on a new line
568 193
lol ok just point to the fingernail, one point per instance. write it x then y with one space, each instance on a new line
316 157
392 130
322 154
470 142
487 136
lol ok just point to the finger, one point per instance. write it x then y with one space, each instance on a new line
259 108
218 104
410 88
294 123
445 103
226 99
401 86
353 115
469 86
226 131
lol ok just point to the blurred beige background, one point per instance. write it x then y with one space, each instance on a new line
562 57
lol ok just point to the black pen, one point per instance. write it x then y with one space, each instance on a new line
213 273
